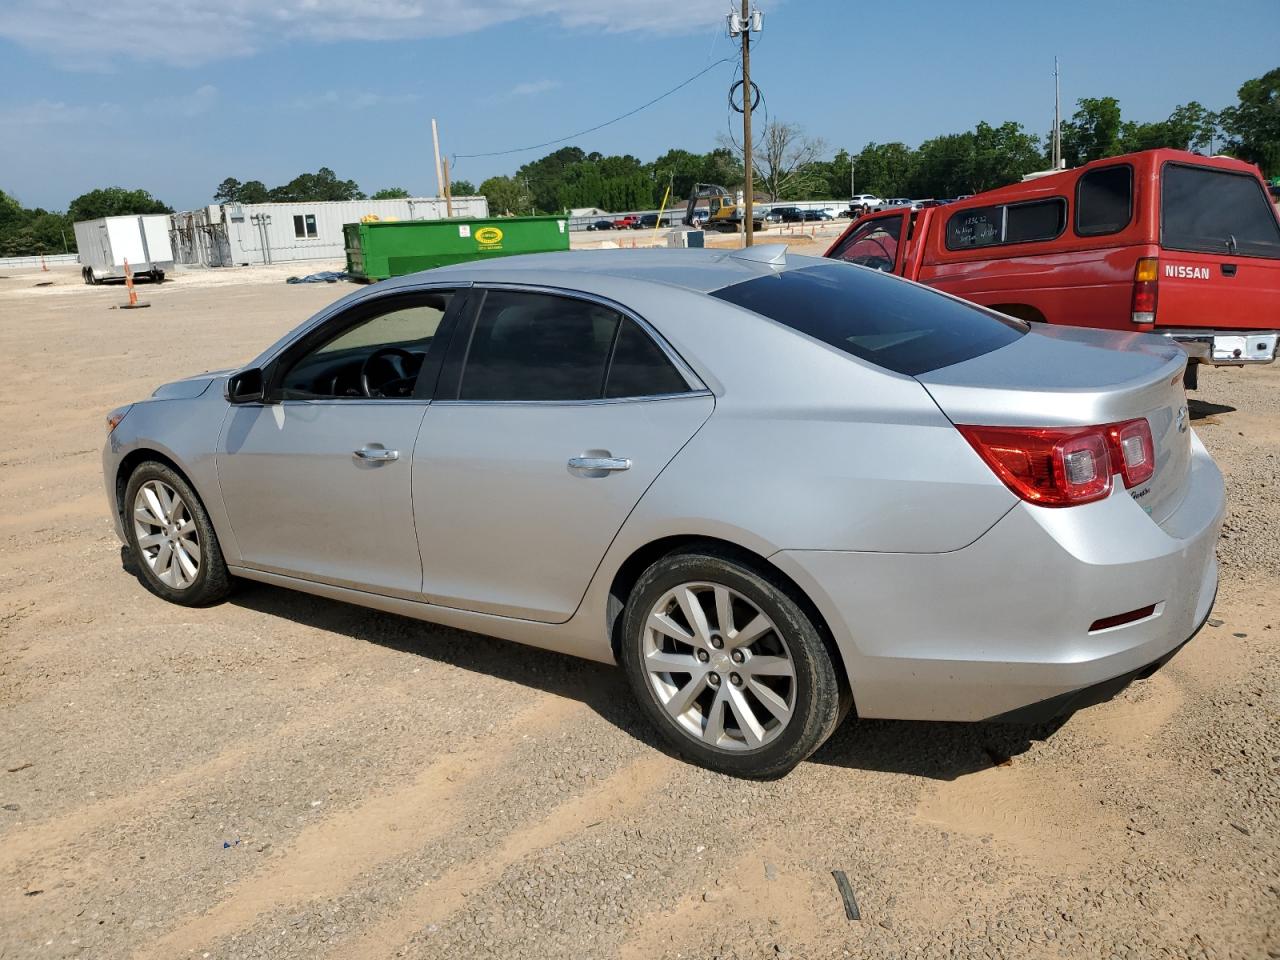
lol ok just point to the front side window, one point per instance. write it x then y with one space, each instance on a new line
541 347
378 356
304 226
896 325
1006 223
874 244
1216 211
1104 201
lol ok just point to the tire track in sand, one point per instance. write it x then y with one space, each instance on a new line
324 859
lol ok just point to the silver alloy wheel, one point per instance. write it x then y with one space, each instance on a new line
719 666
166 533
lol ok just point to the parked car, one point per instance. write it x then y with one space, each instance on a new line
629 222
863 203
786 214
600 225
651 221
1197 260
891 203
815 215
432 446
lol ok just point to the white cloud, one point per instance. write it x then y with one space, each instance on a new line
89 34
531 88
351 99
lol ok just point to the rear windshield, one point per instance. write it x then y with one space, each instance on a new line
1216 211
881 319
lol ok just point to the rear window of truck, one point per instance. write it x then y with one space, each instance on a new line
1216 211
884 320
1006 223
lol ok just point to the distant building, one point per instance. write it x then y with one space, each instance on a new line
239 234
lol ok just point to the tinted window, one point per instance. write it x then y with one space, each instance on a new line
1042 220
531 346
379 356
1006 223
886 321
1104 201
975 227
873 244
1214 211
640 368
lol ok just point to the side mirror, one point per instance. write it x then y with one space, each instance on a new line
246 386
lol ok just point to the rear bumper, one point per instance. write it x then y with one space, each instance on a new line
1004 623
1227 347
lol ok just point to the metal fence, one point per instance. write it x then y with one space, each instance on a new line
35 261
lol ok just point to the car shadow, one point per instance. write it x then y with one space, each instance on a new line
938 751
1199 409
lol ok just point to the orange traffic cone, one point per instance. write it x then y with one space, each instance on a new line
133 303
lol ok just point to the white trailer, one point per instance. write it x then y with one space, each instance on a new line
107 243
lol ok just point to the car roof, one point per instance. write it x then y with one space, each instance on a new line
701 271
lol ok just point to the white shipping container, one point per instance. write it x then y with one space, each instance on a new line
107 243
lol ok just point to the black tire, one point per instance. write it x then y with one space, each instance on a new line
817 708
212 582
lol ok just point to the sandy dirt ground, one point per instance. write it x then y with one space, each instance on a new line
286 777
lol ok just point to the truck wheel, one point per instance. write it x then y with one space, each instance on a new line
157 276
93 278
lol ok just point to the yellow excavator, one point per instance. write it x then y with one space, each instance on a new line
722 211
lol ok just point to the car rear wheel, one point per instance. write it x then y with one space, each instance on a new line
728 666
172 539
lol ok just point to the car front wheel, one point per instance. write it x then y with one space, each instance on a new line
172 539
726 664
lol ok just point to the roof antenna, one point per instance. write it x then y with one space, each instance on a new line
771 253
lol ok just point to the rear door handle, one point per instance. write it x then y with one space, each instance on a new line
599 463
1228 269
376 454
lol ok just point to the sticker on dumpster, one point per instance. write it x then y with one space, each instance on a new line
489 236
560 223
464 229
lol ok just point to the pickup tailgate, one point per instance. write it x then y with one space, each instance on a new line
1219 251
1069 376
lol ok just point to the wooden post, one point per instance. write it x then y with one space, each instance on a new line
748 199
448 190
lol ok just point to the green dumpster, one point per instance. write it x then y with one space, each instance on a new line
381 249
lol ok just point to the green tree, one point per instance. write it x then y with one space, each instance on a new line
228 191
1093 132
114 202
461 188
506 196
390 193
254 191
319 186
1253 124
883 169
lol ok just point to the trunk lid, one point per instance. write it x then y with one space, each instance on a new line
1070 376
1219 250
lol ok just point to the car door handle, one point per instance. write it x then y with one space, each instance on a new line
376 454
599 463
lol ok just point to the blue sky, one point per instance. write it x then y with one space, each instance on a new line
173 97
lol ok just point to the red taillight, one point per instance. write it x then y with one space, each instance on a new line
1146 276
1133 451
1062 467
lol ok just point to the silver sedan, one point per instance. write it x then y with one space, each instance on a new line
773 488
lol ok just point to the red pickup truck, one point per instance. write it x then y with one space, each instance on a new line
1160 241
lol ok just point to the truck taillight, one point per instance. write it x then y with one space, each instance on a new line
1063 467
1146 279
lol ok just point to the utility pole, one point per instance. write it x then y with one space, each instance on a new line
1057 117
435 143
746 23
748 187
853 165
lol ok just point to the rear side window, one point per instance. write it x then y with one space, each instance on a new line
1104 201
1216 211
1006 223
531 346
894 324
640 368
874 244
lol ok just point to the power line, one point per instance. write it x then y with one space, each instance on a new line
599 126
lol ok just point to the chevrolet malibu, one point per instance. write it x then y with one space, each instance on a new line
773 488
